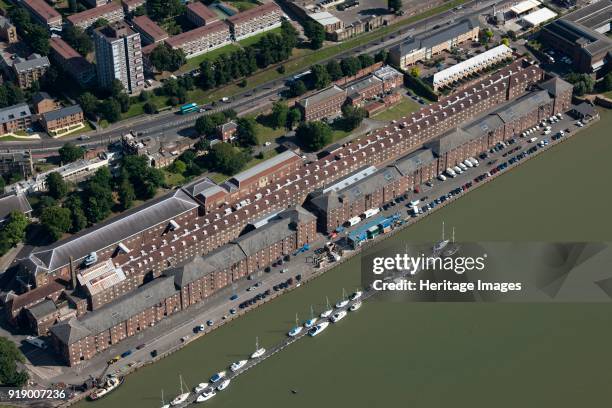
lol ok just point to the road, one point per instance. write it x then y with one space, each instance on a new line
171 123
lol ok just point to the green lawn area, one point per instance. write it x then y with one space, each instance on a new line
265 133
403 108
220 177
10 139
255 38
243 5
305 58
193 63
173 179
137 108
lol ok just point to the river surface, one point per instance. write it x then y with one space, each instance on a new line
431 354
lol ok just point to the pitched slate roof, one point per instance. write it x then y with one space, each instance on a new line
264 237
556 86
14 202
118 311
62 113
407 165
113 231
449 141
217 260
44 308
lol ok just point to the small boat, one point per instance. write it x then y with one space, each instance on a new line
205 396
297 329
343 302
182 397
355 306
200 387
328 311
238 365
355 296
439 246
223 385
310 322
164 405
111 384
217 377
318 328
338 316
259 351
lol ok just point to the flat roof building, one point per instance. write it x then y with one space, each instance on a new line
199 14
202 39
256 20
44 13
71 61
149 31
30 70
111 12
539 17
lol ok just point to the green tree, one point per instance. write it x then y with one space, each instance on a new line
506 42
206 125
394 5
202 145
70 152
293 117
42 203
160 10
320 77
485 36
89 104
583 83
178 167
74 203
415 72
10 375
56 185
227 159
126 194
98 202
145 179
313 135
110 110
149 108
297 88
101 22
334 70
124 101
278 117
366 60
56 220
315 33
164 58
381 56
246 134
78 39
606 82
12 232
350 66
352 116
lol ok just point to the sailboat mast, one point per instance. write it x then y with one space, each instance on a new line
442 230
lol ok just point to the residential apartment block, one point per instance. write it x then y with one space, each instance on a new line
44 14
199 14
71 61
111 12
256 20
15 118
425 46
30 70
62 119
201 39
323 104
8 32
149 31
119 56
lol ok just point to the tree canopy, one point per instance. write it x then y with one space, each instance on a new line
56 185
315 33
225 158
10 375
12 231
314 135
70 152
164 58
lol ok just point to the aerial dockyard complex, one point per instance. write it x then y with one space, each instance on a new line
107 283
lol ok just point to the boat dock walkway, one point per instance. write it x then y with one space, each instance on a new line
252 362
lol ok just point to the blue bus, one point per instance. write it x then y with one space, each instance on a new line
190 107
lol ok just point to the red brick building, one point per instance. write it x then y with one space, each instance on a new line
324 104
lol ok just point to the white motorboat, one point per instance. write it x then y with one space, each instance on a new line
182 397
205 396
200 387
355 306
355 296
338 316
328 311
259 351
223 385
343 302
318 328
297 329
217 377
238 365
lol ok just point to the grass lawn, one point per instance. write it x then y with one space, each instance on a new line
10 138
243 5
137 107
218 177
193 63
265 133
403 108
255 38
304 58
173 179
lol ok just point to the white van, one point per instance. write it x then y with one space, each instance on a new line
533 139
442 177
468 163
